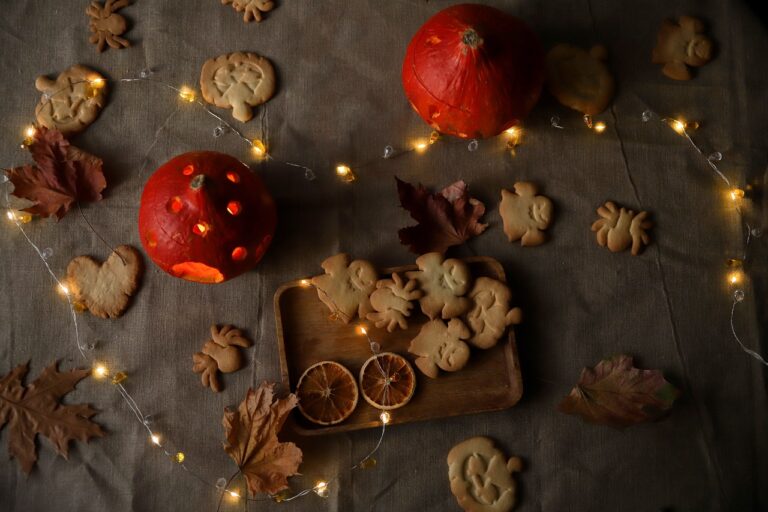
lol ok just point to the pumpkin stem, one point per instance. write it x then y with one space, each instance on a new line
197 182
471 38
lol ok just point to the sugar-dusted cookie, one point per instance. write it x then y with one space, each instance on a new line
525 214
392 302
440 346
106 25
238 81
71 102
619 228
481 476
220 354
251 9
346 286
579 79
105 289
444 282
490 314
680 45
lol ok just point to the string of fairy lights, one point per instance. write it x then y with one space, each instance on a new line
347 174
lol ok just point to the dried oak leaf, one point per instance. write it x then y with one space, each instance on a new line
251 439
63 175
447 218
35 409
617 394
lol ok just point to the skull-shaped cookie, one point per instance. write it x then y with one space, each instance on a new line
392 302
346 286
490 314
238 81
579 79
525 214
481 476
680 45
220 354
70 103
440 346
444 282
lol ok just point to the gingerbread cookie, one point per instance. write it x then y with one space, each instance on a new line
238 81
525 214
106 25
220 354
491 314
579 79
680 45
444 283
481 476
346 287
619 228
392 302
440 346
251 9
70 103
105 289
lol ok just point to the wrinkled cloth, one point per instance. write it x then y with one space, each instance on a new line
339 99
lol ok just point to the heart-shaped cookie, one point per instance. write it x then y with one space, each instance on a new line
105 288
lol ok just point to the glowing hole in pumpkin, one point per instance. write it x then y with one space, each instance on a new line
234 208
175 205
233 177
239 253
188 170
201 229
197 272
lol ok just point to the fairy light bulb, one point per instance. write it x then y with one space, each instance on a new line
259 149
735 194
62 289
304 283
100 371
361 330
321 489
735 277
179 457
97 83
30 131
344 172
155 439
420 145
11 216
385 417
187 94
599 127
678 126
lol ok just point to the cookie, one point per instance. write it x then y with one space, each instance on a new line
346 286
251 9
220 354
444 283
481 476
106 25
619 228
440 346
105 289
490 314
70 103
580 79
525 215
680 45
392 302
238 81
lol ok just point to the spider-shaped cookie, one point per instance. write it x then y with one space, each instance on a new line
392 302
106 25
220 354
619 228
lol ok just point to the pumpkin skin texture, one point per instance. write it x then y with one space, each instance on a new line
473 71
206 217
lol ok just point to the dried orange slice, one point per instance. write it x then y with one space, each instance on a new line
327 393
387 381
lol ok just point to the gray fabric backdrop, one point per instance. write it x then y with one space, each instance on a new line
340 99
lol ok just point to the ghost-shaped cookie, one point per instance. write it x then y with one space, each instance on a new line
444 283
392 301
680 45
346 286
441 347
481 476
580 79
525 215
490 314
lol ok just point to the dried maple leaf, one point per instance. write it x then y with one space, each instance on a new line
447 218
63 175
35 409
617 394
251 439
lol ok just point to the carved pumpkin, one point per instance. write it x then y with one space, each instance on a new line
473 71
206 217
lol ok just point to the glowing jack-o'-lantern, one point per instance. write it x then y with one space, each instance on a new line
206 217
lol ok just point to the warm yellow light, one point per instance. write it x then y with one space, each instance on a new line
735 194
513 132
258 148
97 83
305 283
187 94
233 495
100 371
343 170
321 489
62 289
599 127
10 215
30 132
420 145
678 126
155 439
735 277
362 330
385 417
179 457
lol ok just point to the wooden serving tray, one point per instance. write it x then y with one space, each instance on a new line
306 334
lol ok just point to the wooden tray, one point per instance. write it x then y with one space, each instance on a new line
491 380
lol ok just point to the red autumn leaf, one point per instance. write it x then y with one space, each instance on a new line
617 394
251 440
63 175
447 218
35 409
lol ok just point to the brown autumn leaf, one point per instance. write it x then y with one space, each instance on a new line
447 218
35 409
617 394
63 175
251 440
